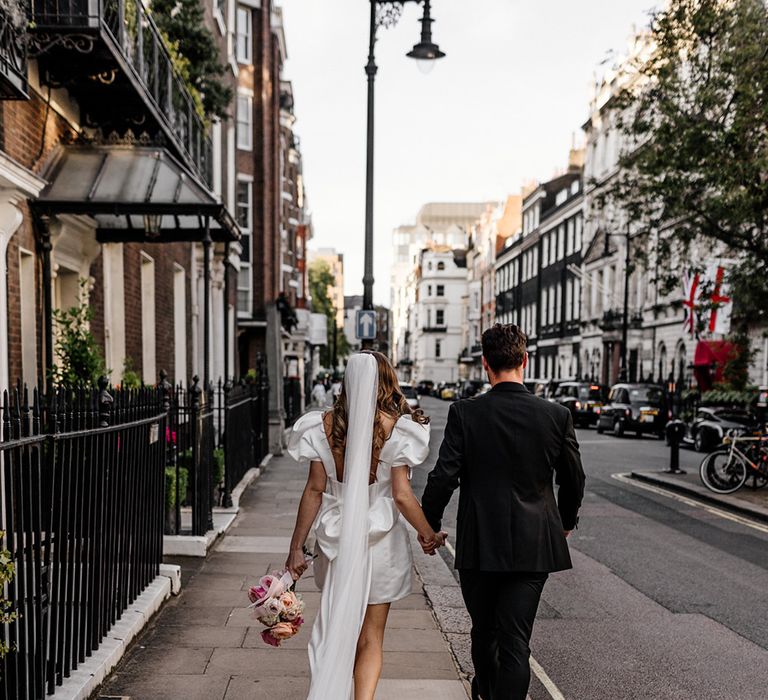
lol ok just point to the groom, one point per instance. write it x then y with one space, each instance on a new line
502 449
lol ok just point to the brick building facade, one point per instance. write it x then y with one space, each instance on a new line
90 110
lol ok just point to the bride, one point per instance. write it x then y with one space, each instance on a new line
358 491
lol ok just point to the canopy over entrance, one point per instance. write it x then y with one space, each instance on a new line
135 193
710 359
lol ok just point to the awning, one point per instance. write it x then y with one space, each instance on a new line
135 193
710 359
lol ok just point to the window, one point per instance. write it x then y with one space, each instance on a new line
244 213
438 347
179 323
576 298
148 350
28 317
244 122
577 233
560 241
545 249
568 300
244 36
551 312
440 317
441 290
569 244
429 290
544 305
441 266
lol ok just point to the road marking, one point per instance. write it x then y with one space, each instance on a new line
625 478
546 681
541 674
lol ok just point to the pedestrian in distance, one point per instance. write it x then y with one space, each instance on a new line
501 450
318 394
336 388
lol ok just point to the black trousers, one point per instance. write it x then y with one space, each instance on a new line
502 607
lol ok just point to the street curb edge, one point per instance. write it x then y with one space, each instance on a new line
745 510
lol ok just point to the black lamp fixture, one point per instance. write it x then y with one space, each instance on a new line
152 224
426 51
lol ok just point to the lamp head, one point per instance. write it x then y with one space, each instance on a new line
426 52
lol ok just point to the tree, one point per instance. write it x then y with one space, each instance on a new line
197 57
696 114
321 280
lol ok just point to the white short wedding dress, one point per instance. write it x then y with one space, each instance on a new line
390 550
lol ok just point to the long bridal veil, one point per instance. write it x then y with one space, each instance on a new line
345 593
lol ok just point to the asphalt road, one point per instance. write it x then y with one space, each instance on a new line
666 599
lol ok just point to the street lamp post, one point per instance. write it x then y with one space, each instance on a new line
625 314
385 13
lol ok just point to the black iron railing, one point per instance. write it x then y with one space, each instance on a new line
292 393
13 50
82 507
191 442
132 35
239 436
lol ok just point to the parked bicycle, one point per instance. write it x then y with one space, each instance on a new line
739 461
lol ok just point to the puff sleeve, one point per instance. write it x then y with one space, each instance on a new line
302 442
410 442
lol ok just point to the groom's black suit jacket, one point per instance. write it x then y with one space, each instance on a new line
503 448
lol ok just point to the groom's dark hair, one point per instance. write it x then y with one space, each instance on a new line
504 346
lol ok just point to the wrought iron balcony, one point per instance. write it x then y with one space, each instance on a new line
13 50
111 56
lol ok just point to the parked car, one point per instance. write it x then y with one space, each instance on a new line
711 424
449 391
538 387
583 399
639 408
410 396
469 388
426 387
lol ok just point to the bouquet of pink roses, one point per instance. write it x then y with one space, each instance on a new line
276 605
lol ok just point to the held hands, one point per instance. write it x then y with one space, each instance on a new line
431 543
296 563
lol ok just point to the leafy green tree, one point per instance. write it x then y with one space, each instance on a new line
183 24
321 280
7 574
79 358
696 110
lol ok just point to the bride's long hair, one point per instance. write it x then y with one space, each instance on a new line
389 402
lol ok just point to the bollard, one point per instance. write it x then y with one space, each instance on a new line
675 431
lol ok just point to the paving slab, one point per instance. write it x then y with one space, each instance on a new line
205 643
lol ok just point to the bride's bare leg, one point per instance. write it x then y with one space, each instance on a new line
370 651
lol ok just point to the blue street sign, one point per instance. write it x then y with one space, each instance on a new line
365 324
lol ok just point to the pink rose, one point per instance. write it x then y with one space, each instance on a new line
292 605
267 638
256 593
283 630
298 622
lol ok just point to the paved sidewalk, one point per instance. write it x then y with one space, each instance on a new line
204 645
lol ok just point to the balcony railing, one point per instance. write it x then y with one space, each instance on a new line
76 30
13 51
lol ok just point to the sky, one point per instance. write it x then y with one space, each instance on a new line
501 109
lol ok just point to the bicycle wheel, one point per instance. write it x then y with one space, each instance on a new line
723 472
